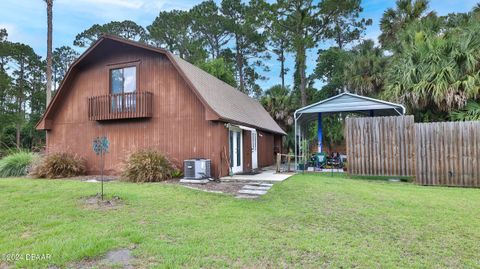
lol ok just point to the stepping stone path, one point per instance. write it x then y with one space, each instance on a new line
253 190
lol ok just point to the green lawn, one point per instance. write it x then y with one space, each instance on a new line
307 221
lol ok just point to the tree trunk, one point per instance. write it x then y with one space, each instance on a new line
339 37
239 62
282 66
216 48
18 128
49 50
18 125
301 72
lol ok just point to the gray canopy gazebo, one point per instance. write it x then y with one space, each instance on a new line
342 103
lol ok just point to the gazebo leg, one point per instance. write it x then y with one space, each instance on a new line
320 133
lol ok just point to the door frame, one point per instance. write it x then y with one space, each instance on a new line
254 138
234 166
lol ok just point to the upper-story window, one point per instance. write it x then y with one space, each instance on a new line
123 80
123 83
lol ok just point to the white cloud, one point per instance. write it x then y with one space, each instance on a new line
11 29
136 4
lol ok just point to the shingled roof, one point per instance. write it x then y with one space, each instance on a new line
228 103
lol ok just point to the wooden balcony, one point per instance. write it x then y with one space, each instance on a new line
120 106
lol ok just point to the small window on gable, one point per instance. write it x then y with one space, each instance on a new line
123 80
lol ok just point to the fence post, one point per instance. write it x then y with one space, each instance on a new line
279 157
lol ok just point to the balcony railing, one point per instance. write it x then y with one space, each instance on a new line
120 106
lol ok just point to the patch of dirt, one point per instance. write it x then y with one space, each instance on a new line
96 202
119 258
220 187
4 265
25 235
212 186
217 187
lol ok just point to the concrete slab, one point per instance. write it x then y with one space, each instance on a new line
250 187
267 175
242 196
252 183
194 181
253 192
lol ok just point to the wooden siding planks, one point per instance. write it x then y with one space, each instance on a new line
177 127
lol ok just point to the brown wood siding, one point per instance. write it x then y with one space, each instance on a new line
265 149
177 128
247 151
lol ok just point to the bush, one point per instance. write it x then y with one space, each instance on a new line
17 164
59 165
148 166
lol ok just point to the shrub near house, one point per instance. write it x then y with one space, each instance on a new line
59 165
149 166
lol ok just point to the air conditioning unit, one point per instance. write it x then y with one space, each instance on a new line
196 169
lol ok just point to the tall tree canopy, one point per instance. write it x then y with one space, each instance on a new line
343 23
22 93
173 30
303 22
221 69
330 69
243 21
126 29
209 23
278 41
63 57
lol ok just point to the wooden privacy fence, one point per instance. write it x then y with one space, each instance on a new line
448 153
381 146
443 153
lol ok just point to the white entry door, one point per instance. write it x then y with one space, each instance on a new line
236 154
254 149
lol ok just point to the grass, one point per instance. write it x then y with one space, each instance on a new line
307 221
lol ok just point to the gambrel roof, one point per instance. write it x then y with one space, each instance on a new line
222 100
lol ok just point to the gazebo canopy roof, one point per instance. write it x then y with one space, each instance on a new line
349 102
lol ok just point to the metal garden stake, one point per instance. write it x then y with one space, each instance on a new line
100 147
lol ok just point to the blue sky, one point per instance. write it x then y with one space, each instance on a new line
25 21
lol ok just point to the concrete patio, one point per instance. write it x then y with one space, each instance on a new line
267 174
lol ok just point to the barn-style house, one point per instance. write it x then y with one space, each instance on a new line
145 97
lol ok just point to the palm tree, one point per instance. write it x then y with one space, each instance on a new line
278 102
470 112
364 71
437 69
394 20
49 50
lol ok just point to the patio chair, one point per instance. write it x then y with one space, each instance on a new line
319 160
